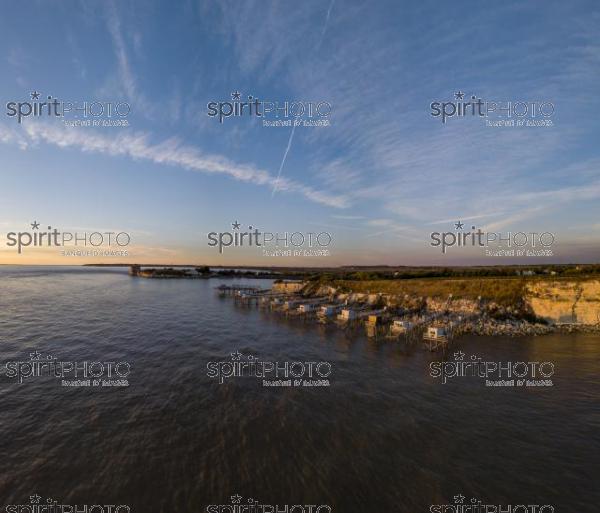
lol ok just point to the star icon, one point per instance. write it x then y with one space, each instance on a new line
235 225
459 355
458 225
458 499
236 356
236 95
35 355
236 499
459 95
35 95
35 225
35 499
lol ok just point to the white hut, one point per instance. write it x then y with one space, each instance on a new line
435 333
290 304
329 310
399 326
374 317
347 314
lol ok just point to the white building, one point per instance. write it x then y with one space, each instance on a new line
347 314
329 310
290 304
400 326
435 333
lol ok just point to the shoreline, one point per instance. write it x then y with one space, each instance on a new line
436 323
428 310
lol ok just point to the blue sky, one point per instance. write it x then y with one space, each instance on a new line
381 178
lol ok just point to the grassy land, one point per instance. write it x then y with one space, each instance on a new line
504 291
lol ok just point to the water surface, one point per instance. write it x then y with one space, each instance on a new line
384 437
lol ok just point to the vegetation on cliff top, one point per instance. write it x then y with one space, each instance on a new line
506 292
503 285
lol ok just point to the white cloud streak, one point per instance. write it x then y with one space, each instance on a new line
170 152
126 76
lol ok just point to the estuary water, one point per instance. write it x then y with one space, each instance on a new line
384 436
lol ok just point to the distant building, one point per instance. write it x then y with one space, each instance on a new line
347 314
329 310
435 333
399 326
374 319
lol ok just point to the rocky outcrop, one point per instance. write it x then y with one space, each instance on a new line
559 301
459 306
555 301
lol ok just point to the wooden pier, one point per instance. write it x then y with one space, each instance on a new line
378 323
233 290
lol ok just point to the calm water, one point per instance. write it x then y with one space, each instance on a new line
385 437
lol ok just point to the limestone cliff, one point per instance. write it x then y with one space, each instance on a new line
565 301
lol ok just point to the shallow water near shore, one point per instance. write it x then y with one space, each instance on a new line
384 436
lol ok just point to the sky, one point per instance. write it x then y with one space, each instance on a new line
380 179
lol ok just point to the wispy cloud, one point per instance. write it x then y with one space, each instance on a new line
384 149
393 229
128 81
512 220
10 136
168 152
348 217
466 218
336 226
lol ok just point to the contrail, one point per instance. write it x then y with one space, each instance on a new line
326 23
289 145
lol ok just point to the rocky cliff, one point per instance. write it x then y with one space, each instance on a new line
565 301
556 301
